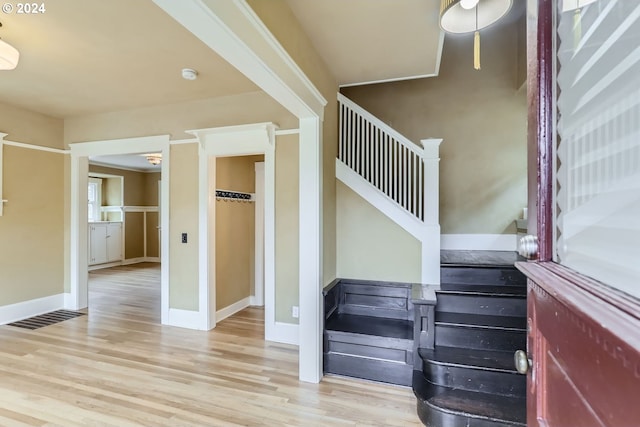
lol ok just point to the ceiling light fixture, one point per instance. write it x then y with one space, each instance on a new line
466 16
155 158
9 55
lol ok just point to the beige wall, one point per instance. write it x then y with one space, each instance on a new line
380 251
283 24
481 116
32 226
31 128
151 189
287 222
134 235
235 231
174 119
140 188
183 218
153 235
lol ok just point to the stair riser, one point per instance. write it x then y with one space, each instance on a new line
479 338
482 275
475 379
368 369
371 349
481 304
498 289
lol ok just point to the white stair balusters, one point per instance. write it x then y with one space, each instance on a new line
376 160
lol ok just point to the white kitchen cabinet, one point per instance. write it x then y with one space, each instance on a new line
105 242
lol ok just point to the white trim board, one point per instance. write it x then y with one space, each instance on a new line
188 319
25 309
286 333
106 265
479 242
32 146
232 309
240 140
139 260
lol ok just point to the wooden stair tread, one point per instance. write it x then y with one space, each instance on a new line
464 405
368 325
483 359
515 323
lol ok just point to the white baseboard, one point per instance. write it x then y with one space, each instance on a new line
69 303
232 309
132 261
139 260
253 301
22 310
184 319
106 265
479 242
285 333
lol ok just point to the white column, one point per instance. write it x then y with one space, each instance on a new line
431 236
206 239
310 339
2 135
78 274
258 291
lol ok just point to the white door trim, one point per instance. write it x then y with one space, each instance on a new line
258 282
78 267
226 141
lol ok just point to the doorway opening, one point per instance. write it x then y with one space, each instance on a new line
239 234
121 229
124 236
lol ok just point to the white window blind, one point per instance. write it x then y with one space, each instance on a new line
598 151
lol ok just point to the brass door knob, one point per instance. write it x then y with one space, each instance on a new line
522 362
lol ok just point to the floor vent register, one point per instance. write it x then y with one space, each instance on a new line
46 319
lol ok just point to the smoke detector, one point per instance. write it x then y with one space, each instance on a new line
189 74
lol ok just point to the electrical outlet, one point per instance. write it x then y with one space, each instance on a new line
184 237
295 311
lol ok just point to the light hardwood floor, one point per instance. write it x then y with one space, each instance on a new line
118 367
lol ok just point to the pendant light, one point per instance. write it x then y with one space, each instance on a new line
9 55
466 16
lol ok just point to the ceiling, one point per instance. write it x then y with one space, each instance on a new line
135 162
93 56
365 41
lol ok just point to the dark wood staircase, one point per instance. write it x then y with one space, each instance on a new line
467 378
368 331
454 345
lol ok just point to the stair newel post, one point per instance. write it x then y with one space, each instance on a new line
431 201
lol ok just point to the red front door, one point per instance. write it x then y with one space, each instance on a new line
584 336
